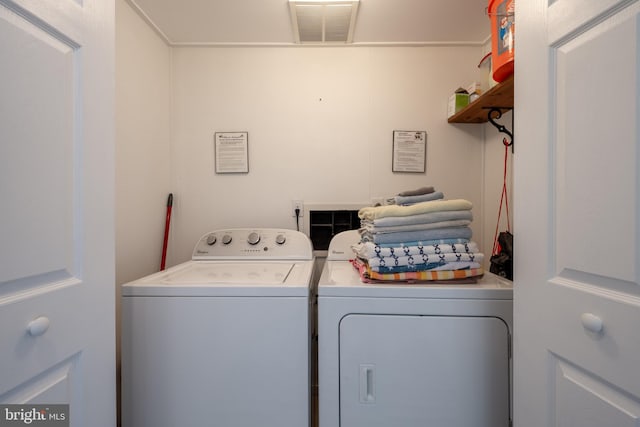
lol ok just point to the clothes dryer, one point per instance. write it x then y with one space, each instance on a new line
222 339
411 355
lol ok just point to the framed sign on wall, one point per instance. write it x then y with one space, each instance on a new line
409 151
231 152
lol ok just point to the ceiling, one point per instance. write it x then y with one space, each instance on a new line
268 22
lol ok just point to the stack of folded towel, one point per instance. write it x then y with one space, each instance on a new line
417 240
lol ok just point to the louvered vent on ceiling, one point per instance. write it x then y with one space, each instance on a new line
329 21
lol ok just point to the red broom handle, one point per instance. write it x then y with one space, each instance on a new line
166 231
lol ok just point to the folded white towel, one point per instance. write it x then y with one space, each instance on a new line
376 212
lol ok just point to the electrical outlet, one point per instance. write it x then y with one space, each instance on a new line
297 204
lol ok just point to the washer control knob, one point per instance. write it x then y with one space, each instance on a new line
280 239
226 239
211 239
253 238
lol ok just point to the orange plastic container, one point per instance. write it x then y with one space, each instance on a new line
502 17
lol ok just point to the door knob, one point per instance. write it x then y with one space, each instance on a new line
38 326
591 322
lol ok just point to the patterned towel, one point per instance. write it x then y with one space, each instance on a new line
413 261
371 250
432 266
450 276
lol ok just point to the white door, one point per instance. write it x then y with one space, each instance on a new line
57 322
577 213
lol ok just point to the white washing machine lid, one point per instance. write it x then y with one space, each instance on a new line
226 278
340 279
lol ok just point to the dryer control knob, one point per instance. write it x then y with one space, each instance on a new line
226 239
280 239
211 239
253 238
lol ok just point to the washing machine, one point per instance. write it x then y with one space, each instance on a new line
222 339
408 354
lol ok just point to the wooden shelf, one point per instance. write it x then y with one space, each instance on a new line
499 96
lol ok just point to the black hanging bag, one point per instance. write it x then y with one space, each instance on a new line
502 262
502 255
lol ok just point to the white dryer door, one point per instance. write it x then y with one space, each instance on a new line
424 371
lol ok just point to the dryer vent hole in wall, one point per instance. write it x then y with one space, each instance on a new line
325 224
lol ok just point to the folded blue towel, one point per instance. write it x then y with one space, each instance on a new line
411 236
374 229
423 218
423 243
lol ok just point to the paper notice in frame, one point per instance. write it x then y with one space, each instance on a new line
232 152
409 151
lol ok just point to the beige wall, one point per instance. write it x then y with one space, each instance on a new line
320 124
143 132
143 167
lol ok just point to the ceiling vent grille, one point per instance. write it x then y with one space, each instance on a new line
317 22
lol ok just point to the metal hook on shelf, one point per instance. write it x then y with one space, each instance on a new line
500 127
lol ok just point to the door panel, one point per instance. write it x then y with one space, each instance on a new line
610 354
31 353
596 152
568 16
424 370
582 399
57 385
37 177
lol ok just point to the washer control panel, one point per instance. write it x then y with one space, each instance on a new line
253 243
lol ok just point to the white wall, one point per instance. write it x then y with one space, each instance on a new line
143 164
320 122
